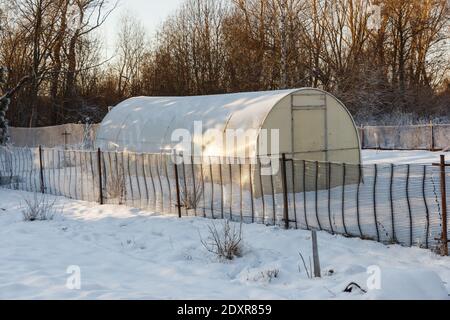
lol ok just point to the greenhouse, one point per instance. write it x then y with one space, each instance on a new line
311 125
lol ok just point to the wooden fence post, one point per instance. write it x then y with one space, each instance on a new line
100 175
285 191
177 183
41 170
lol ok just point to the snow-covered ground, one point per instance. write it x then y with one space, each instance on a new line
402 157
125 253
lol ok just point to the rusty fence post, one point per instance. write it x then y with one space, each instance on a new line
41 170
177 183
285 192
444 250
444 239
362 136
100 175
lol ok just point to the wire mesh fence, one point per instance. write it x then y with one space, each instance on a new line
386 203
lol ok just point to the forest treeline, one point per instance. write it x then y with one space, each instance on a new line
381 58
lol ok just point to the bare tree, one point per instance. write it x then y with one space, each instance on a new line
216 46
86 16
131 48
4 104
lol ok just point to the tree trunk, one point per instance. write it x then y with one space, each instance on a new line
71 69
57 107
35 67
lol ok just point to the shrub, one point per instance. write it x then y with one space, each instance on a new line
264 275
38 208
190 197
270 274
226 242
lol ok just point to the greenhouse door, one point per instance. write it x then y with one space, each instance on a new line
309 127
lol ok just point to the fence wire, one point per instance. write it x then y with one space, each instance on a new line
384 202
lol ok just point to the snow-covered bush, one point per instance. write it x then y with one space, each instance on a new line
226 242
38 208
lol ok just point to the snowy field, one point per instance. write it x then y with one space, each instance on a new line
126 253
402 157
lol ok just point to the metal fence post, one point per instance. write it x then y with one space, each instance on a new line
41 170
316 195
100 175
362 137
432 143
408 201
315 246
444 239
177 183
444 250
375 178
285 192
344 175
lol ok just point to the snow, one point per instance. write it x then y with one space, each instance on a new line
401 157
408 283
126 253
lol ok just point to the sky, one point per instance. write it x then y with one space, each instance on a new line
150 12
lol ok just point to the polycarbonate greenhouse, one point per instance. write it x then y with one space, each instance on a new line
312 124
